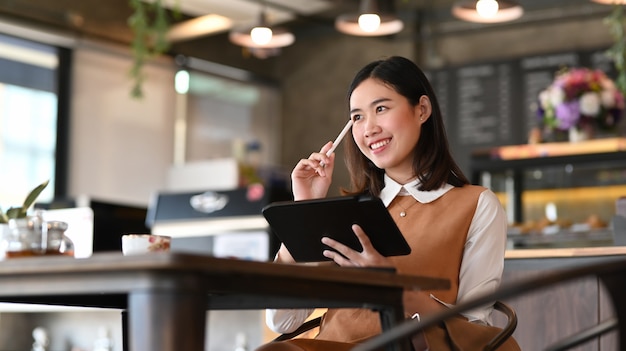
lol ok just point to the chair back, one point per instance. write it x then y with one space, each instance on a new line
507 330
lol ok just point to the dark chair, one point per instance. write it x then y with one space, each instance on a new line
498 340
508 328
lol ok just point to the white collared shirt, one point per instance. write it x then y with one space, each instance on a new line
484 248
392 189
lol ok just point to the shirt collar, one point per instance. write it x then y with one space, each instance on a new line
393 188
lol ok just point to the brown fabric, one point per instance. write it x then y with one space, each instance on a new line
349 325
457 334
306 345
436 232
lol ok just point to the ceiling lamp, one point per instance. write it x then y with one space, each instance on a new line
369 22
198 27
261 36
487 11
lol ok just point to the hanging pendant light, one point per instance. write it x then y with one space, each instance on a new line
369 22
262 36
487 11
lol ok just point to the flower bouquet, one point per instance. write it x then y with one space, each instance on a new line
580 99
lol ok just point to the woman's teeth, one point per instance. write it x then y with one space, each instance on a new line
379 144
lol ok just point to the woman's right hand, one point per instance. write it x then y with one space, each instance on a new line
311 177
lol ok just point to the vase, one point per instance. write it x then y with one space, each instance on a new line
579 134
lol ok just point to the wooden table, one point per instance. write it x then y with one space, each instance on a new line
166 295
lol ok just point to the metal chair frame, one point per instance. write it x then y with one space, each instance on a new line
498 340
612 273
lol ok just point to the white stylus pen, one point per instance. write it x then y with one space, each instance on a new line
338 139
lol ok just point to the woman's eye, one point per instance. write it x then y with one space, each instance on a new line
356 117
380 108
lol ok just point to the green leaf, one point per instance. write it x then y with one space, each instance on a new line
149 23
15 212
30 199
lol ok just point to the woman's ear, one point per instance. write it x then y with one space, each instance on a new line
424 108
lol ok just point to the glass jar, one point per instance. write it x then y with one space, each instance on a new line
31 236
57 242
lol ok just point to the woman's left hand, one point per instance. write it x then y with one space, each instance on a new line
346 257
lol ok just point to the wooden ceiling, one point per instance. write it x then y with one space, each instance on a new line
108 20
81 18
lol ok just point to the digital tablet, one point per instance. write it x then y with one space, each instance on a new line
300 225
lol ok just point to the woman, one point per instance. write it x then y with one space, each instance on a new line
399 152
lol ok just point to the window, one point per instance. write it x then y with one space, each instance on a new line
28 119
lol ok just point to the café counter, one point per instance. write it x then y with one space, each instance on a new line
549 315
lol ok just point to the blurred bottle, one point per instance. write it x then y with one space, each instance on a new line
57 241
253 153
620 206
41 339
104 341
241 342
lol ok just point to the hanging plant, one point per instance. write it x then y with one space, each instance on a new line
150 23
616 21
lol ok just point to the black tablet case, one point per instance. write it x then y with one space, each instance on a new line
300 225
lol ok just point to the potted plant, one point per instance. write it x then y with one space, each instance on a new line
16 213
149 22
20 212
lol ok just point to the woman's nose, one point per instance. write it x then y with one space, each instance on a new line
371 127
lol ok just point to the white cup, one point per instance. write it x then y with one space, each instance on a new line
137 244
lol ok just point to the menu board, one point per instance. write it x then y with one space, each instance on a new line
484 104
495 103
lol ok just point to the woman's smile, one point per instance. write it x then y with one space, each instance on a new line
378 144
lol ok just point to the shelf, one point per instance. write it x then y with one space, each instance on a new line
604 251
596 146
580 179
549 154
563 238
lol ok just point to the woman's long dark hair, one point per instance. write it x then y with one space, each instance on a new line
432 161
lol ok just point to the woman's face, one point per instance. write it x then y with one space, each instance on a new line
387 127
